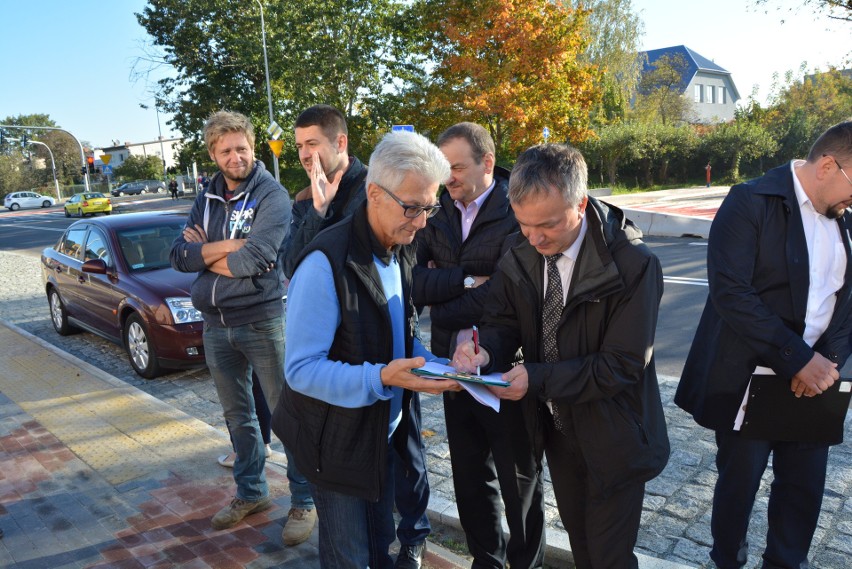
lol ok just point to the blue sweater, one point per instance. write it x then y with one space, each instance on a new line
313 315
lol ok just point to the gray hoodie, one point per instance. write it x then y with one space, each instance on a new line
259 212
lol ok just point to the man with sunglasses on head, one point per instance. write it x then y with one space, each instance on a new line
779 305
352 341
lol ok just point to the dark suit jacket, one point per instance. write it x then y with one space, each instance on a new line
757 267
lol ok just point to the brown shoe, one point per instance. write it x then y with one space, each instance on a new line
300 524
233 513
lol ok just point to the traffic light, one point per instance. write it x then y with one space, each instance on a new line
90 160
83 170
24 140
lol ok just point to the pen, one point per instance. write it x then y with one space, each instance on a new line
476 344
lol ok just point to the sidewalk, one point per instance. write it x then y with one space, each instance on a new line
672 213
96 473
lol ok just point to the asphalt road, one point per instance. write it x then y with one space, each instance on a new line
683 261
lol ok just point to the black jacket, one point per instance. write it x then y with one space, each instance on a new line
306 222
758 272
345 449
453 307
605 338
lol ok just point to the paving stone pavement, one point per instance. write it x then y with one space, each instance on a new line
675 521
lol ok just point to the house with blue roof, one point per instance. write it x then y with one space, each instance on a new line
709 86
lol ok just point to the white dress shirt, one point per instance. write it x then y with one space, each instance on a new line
469 213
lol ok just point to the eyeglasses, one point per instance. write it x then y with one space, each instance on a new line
841 169
413 211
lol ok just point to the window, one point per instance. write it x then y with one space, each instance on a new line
72 242
96 248
723 95
698 92
708 98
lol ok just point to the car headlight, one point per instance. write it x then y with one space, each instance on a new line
183 312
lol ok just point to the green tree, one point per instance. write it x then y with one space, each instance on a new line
613 146
801 109
342 53
833 9
731 143
661 92
140 168
614 32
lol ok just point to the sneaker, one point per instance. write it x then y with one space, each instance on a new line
227 460
233 513
300 524
410 556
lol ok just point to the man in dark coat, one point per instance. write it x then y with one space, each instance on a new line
780 304
579 292
457 252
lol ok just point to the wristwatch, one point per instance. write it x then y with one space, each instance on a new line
469 281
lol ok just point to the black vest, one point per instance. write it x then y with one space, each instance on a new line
344 449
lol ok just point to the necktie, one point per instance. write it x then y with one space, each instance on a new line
550 316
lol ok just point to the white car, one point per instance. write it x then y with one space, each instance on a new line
17 200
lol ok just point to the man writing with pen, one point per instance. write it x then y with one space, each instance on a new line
579 291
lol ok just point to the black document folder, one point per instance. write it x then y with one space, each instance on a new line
774 413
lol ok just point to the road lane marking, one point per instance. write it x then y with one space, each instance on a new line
685 280
38 227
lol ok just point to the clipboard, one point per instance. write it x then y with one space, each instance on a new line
774 413
438 371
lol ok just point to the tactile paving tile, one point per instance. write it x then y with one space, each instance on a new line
121 432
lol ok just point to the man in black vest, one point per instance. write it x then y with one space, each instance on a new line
352 340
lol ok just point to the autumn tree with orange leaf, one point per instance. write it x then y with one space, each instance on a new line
514 66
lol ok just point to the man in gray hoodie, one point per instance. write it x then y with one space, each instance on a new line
232 239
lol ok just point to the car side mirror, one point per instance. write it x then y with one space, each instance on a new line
96 266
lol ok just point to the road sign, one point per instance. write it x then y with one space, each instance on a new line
276 146
275 131
402 127
107 169
105 158
545 132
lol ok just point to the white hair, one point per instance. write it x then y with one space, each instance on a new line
399 153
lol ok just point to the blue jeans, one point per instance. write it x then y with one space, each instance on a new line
412 486
355 533
232 354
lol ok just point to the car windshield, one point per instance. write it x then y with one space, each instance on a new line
147 248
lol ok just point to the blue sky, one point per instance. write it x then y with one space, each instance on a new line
72 59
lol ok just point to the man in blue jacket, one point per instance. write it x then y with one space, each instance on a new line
232 239
352 341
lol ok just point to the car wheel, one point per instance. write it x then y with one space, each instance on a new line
67 213
14 207
121 194
143 191
139 348
107 212
58 315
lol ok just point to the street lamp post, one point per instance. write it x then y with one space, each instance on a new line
52 165
268 86
82 154
160 132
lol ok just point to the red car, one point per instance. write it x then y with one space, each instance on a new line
111 276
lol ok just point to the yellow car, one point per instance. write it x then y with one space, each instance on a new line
88 203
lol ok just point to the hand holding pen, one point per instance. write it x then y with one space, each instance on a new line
468 358
476 346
